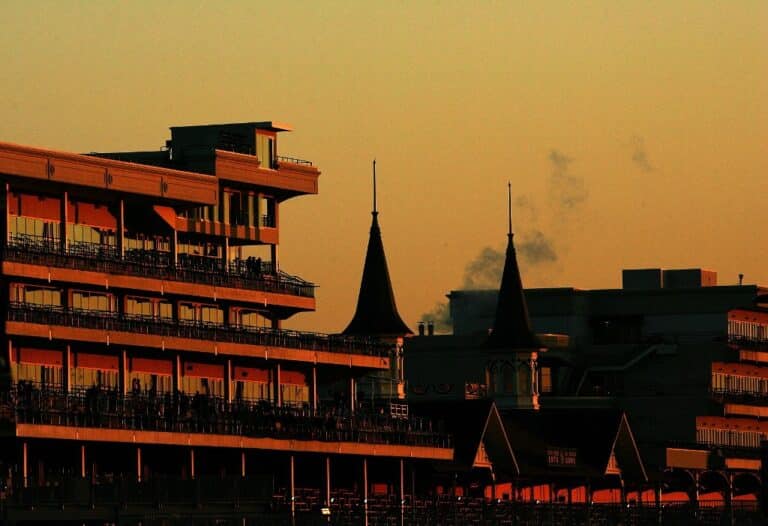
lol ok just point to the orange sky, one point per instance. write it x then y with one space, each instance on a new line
634 133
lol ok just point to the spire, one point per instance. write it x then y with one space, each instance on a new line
512 327
376 313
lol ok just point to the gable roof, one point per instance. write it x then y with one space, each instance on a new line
472 423
376 313
573 442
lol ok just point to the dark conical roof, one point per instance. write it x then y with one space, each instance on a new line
512 327
376 312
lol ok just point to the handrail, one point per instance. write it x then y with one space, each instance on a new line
205 414
293 160
56 315
155 264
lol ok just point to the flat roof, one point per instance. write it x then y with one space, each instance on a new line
261 125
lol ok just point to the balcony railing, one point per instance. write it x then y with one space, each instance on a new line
294 160
107 321
96 408
242 274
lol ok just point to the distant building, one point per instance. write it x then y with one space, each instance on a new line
687 359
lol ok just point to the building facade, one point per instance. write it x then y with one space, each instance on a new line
144 299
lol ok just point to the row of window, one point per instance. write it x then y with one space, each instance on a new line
51 377
739 384
730 438
150 308
747 330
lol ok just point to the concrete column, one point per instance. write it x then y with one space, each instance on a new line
25 463
328 481
277 385
192 463
122 373
175 247
121 229
225 255
64 218
352 395
228 381
177 374
82 461
138 464
67 369
313 391
365 492
242 464
293 489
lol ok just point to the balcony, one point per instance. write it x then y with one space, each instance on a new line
241 274
134 325
208 415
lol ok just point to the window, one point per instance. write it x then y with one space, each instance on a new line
93 301
267 211
41 376
148 308
250 319
197 313
205 386
140 382
84 378
247 390
33 295
30 229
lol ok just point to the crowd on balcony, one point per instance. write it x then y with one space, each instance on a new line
201 413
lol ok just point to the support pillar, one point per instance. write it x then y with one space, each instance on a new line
177 374
175 248
228 381
293 489
352 396
192 463
313 393
67 376
25 463
277 386
328 481
121 229
138 464
63 226
122 373
365 492
225 256
242 464
82 461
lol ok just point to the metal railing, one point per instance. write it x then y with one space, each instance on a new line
109 321
95 408
294 160
157 264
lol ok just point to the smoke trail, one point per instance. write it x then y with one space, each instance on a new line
440 315
536 248
566 190
640 154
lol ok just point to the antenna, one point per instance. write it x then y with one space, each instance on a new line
509 202
374 187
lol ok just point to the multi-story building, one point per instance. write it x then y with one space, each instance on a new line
143 305
687 359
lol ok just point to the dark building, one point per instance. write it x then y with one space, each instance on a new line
683 356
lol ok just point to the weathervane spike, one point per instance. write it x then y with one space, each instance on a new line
509 200
374 187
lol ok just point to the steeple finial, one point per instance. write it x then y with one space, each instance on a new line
509 200
375 212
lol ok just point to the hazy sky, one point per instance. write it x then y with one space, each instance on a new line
635 134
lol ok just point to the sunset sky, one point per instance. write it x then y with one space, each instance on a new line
635 133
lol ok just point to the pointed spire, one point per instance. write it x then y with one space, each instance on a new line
512 327
376 313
